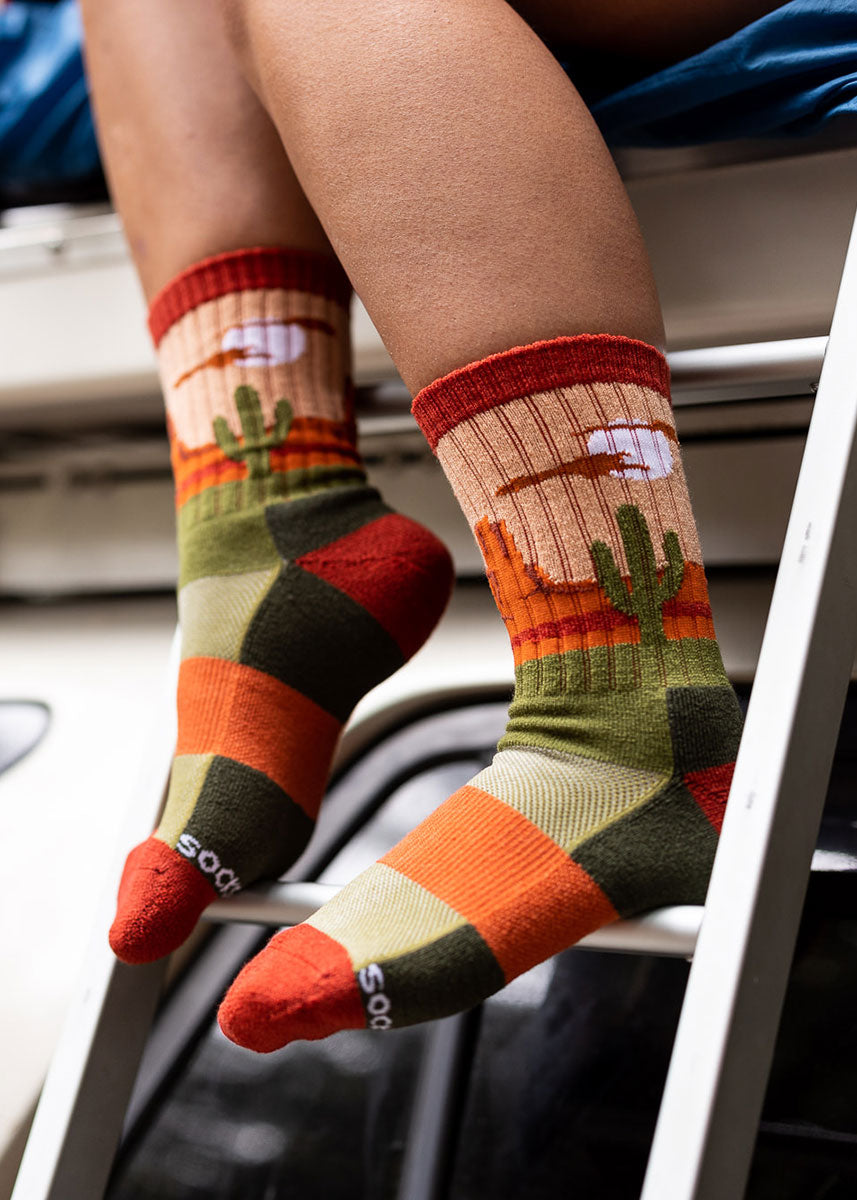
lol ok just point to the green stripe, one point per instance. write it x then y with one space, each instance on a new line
233 545
248 821
239 495
706 726
689 662
446 976
324 517
225 532
661 853
335 651
629 727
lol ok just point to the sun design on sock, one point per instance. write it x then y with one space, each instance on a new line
260 343
625 450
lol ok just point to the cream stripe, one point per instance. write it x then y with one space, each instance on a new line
383 914
215 612
186 780
568 797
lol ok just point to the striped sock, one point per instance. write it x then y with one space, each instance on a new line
299 589
607 792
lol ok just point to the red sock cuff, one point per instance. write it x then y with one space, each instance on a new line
253 269
561 362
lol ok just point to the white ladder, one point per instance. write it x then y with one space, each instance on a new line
722 1054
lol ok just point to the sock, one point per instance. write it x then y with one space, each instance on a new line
607 792
299 590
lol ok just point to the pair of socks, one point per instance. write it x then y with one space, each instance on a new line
299 590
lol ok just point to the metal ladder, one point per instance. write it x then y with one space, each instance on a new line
741 953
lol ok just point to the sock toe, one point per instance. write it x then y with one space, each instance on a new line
161 898
300 987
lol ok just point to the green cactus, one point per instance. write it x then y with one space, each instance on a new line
254 447
648 594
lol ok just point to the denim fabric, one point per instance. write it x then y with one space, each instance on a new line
46 130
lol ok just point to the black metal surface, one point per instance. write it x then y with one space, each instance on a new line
440 1095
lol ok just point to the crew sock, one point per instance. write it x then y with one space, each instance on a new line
606 795
299 589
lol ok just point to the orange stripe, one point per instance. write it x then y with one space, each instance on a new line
220 473
235 711
515 885
626 634
676 628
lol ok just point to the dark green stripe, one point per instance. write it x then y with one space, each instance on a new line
314 521
334 651
706 726
248 821
659 854
449 975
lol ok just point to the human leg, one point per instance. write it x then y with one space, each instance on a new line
608 787
456 171
298 589
196 168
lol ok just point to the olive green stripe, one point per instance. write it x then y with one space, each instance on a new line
629 727
237 543
240 537
660 853
238 495
689 662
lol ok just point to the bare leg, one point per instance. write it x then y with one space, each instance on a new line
459 176
195 165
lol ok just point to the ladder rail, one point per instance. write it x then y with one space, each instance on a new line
721 1059
78 1120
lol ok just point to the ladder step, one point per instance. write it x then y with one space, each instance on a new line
668 931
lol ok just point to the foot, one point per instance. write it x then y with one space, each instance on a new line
539 849
289 616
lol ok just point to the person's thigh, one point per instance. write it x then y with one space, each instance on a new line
648 31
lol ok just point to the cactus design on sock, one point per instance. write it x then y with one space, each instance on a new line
255 445
647 594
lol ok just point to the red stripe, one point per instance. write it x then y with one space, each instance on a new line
247 270
582 623
710 789
562 362
686 608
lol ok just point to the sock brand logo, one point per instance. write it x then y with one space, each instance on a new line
225 880
378 1005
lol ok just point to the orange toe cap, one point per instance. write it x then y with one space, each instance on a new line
161 898
301 986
